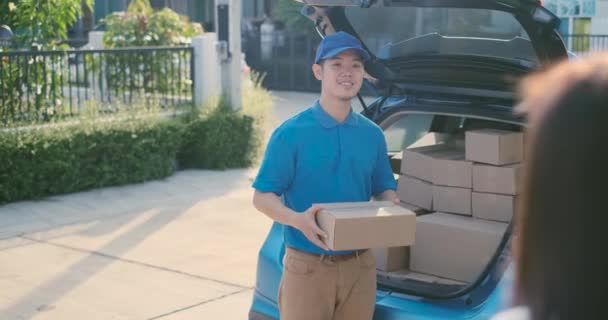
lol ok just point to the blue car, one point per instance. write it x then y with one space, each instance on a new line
439 68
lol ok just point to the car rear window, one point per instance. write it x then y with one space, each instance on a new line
395 32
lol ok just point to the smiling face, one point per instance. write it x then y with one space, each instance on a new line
341 77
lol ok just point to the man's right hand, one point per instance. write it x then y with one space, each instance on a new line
306 222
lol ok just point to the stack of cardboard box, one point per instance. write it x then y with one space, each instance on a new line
471 186
496 172
437 177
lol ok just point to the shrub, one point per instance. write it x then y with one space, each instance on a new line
129 148
222 139
54 160
141 26
219 138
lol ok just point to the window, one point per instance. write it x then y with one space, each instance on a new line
393 32
405 130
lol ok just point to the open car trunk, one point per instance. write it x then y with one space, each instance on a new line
463 226
482 46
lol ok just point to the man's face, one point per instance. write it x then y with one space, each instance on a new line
342 76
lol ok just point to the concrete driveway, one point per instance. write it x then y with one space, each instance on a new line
181 248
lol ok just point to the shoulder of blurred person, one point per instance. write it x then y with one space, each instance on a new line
516 313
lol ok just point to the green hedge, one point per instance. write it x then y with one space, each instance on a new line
47 161
221 140
58 159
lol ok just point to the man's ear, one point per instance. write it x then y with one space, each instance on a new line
317 70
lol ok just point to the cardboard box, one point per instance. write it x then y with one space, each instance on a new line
454 247
449 168
362 225
418 162
501 180
495 207
392 259
497 147
452 199
415 191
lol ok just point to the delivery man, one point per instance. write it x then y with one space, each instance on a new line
327 153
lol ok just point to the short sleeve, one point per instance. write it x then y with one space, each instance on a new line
383 178
278 166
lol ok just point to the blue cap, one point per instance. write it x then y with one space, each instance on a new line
334 44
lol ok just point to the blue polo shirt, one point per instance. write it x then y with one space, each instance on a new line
312 158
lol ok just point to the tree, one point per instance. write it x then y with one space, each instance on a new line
44 23
7 14
288 11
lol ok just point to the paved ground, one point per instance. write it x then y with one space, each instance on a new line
181 248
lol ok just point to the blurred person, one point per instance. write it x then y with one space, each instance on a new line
559 247
328 153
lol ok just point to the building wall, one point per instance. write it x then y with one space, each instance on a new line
599 23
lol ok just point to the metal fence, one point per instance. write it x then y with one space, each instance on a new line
585 43
286 60
42 85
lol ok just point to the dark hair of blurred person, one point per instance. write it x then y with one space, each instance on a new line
561 246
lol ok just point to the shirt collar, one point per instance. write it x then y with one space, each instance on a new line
328 121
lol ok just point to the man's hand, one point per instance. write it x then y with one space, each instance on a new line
307 223
271 205
388 195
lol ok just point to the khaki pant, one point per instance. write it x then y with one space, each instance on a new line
322 287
